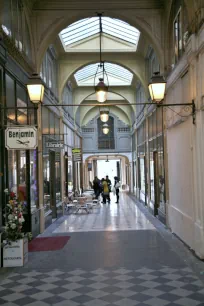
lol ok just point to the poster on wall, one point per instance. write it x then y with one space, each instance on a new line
21 138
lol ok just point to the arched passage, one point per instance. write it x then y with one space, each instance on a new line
68 67
81 96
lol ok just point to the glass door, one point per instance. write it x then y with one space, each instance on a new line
155 161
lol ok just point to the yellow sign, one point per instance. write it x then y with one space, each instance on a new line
76 151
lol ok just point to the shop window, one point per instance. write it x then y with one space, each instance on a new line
177 37
57 177
46 181
43 69
161 177
10 91
14 25
22 111
45 121
142 174
12 171
33 182
180 29
52 123
50 74
159 120
27 45
154 124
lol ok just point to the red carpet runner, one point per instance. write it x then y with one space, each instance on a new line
47 244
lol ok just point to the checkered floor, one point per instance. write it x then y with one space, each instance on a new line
122 287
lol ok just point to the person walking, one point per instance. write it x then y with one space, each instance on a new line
117 186
96 187
106 191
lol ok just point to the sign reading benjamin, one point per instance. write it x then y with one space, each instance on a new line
21 138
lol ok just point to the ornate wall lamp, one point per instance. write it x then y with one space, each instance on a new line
157 88
35 89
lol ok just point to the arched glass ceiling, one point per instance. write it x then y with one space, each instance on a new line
88 27
117 75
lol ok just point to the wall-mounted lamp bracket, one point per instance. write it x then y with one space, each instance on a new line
186 108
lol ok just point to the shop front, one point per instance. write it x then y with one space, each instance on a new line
19 163
68 168
52 146
150 164
142 164
156 164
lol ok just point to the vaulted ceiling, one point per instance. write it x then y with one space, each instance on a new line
81 4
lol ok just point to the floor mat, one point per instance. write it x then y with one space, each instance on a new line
47 244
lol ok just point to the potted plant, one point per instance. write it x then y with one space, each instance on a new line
15 242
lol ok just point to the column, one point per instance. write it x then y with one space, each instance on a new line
40 170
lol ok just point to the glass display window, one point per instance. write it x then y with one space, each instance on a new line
142 174
34 181
152 177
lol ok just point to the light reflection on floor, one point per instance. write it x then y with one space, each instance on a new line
108 217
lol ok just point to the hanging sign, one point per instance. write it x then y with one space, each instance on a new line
76 152
21 138
54 145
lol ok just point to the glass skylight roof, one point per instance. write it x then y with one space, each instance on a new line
117 75
88 27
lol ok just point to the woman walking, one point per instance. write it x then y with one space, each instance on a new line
106 191
117 186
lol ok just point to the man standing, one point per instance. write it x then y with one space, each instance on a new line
96 187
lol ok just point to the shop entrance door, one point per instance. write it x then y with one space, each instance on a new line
52 185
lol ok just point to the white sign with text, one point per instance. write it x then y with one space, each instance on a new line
21 138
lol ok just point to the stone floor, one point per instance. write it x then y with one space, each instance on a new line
117 255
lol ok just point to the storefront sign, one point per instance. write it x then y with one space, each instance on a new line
54 145
76 152
21 138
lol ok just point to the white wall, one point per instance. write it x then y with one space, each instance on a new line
185 147
180 172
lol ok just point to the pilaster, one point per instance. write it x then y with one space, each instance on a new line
40 170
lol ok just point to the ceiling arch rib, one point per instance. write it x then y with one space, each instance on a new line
82 96
90 113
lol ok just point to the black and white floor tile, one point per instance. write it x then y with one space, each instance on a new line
102 287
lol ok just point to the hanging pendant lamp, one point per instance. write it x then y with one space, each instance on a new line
104 115
101 91
101 88
105 128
